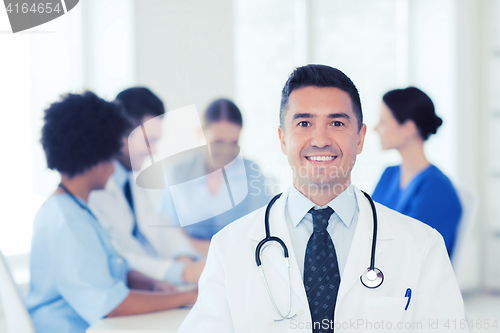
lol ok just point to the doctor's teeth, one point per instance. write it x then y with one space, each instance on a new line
320 158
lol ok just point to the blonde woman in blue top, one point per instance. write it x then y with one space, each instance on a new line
222 125
416 187
77 275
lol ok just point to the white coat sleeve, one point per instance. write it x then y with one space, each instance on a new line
211 313
439 300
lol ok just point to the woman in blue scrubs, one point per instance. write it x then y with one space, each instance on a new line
77 275
416 187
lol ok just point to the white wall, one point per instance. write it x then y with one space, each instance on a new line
109 61
36 67
184 50
489 146
266 51
467 131
432 68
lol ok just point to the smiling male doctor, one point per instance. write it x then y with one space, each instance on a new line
326 223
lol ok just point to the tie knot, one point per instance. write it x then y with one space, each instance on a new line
321 217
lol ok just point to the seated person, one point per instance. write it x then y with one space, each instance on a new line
77 275
416 187
126 210
222 123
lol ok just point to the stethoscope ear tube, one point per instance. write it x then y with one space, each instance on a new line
375 224
263 242
268 233
373 277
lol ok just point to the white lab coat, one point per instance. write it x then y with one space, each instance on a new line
232 295
112 210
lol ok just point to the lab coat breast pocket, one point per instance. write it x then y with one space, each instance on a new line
384 313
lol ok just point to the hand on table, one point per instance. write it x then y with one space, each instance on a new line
164 287
193 271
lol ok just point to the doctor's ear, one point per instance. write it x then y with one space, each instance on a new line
281 134
361 139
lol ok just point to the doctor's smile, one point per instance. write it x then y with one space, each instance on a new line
323 158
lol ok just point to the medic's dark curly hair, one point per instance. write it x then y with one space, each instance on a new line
81 131
139 102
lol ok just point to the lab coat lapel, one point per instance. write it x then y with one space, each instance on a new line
272 255
358 259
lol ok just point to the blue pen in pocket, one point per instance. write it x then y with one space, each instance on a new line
408 294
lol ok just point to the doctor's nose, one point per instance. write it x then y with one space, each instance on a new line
320 138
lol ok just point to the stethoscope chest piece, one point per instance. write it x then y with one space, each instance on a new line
372 278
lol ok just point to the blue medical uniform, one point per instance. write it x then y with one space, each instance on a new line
77 277
259 194
429 197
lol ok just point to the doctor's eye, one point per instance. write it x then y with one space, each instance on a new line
303 123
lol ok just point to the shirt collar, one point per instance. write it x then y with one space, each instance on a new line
121 174
344 205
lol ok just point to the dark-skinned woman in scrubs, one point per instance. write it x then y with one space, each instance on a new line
77 275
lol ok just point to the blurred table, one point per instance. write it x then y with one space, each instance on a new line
158 322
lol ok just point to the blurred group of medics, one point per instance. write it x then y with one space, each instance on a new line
95 252
99 247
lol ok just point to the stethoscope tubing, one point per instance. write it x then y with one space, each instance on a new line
269 238
372 278
375 226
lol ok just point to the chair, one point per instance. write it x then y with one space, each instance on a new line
17 318
460 260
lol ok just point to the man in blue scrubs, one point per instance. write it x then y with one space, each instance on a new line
127 211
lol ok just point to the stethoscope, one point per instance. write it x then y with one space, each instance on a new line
113 242
372 278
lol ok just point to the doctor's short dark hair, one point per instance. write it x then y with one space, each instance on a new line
81 131
413 104
139 102
320 76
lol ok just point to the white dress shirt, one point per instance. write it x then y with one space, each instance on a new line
341 225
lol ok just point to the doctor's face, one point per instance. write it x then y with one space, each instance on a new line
321 139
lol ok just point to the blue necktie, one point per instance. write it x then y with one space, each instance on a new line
136 232
321 272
